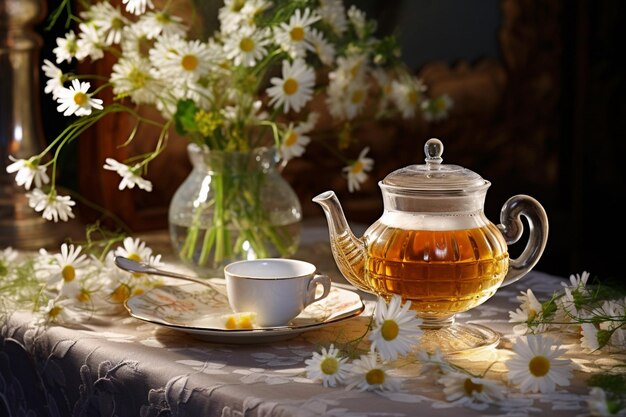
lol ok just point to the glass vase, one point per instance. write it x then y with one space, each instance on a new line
233 206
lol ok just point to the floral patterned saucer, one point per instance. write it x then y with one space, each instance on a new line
201 311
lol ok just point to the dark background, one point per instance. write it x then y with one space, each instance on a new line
556 131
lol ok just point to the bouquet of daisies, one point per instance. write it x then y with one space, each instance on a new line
249 84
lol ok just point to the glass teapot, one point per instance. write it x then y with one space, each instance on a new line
433 244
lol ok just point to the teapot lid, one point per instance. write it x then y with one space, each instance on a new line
433 176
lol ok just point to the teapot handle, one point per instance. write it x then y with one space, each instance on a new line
512 229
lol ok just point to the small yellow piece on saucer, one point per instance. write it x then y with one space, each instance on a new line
240 321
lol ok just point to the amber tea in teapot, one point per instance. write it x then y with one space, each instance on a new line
440 271
433 244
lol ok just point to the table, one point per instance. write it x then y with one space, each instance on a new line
120 366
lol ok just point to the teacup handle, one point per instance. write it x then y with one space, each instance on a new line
322 280
512 229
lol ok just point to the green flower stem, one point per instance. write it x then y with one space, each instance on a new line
279 242
189 246
219 218
207 244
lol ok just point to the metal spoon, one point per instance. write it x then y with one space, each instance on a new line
143 268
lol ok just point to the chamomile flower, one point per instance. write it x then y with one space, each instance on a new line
357 171
137 6
407 95
128 174
54 84
76 100
355 97
66 264
295 88
108 20
236 13
357 18
90 43
577 282
368 373
327 366
179 60
8 255
292 35
154 24
465 389
333 13
324 50
395 329
589 337
247 46
131 75
437 108
295 139
28 171
66 47
536 367
528 311
433 362
52 206
134 249
55 311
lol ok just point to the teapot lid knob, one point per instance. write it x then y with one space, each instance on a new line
433 150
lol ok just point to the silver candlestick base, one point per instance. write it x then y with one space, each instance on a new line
21 134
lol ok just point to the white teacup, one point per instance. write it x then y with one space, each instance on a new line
276 289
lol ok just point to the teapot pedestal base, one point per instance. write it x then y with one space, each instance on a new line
459 339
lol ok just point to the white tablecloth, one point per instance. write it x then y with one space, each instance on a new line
121 366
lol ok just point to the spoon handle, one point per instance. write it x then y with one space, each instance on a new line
143 268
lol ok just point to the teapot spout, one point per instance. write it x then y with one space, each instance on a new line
348 250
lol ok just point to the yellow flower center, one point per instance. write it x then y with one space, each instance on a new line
357 96
357 167
83 296
290 86
80 98
532 314
189 62
246 44
134 256
470 387
292 139
137 78
413 97
329 366
68 273
297 34
163 17
375 377
539 366
72 47
117 24
120 294
54 312
389 330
